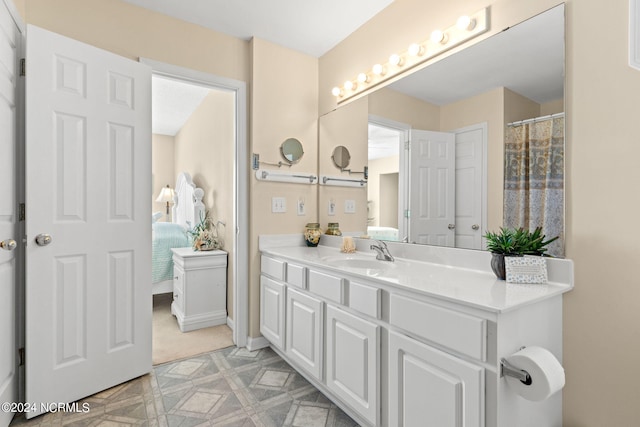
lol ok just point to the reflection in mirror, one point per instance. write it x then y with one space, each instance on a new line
448 124
291 150
341 157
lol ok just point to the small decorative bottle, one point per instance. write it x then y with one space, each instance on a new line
312 234
333 229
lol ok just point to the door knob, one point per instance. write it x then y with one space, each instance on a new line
451 226
475 226
43 239
8 245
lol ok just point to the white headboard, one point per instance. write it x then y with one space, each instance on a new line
188 208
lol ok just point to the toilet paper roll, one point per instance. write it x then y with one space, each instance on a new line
547 375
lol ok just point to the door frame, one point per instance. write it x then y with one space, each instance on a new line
403 177
19 141
240 322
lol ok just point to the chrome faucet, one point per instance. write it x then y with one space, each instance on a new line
383 251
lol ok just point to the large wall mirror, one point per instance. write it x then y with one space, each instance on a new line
438 139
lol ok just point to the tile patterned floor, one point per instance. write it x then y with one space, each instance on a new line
229 387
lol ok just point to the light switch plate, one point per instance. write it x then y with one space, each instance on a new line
300 207
349 206
278 204
331 208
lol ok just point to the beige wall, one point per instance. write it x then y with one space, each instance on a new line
383 209
552 107
406 109
205 148
601 345
284 105
347 127
162 170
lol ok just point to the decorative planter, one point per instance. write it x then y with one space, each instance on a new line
312 234
497 265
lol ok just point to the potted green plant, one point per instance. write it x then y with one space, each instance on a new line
514 242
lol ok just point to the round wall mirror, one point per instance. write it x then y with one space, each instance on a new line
291 150
341 156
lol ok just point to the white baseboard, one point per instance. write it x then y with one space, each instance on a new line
254 344
230 324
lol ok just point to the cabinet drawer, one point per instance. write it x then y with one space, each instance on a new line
296 275
457 331
178 279
272 267
365 299
327 286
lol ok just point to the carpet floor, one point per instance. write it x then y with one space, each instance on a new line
170 344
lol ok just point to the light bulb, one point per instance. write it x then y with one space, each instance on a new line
465 23
379 70
363 77
349 85
336 91
416 50
396 60
438 37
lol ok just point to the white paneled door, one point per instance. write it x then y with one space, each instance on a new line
88 255
9 57
432 188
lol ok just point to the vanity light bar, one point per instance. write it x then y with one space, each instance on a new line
466 28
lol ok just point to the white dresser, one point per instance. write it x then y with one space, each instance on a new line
199 288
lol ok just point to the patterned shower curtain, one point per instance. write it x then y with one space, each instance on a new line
534 179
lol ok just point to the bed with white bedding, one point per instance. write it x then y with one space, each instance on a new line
187 211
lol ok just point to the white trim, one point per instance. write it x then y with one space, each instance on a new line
254 344
241 205
13 12
230 323
634 34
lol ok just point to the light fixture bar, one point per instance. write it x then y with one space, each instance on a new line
439 41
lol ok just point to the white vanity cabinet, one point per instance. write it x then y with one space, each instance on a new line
418 347
304 331
428 387
353 361
272 311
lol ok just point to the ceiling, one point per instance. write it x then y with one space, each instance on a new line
311 27
172 103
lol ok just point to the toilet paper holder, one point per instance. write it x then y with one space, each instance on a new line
507 369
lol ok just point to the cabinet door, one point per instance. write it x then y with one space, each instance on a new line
304 331
352 361
272 312
428 387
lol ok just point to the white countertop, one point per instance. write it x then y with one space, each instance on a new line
472 287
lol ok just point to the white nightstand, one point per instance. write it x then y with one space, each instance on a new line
199 288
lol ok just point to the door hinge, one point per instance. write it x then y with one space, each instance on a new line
407 145
407 213
21 212
23 67
21 356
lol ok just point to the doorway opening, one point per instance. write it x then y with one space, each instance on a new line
199 128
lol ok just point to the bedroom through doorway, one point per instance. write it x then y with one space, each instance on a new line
193 134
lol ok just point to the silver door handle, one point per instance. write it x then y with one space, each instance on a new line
475 226
451 226
43 239
8 245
